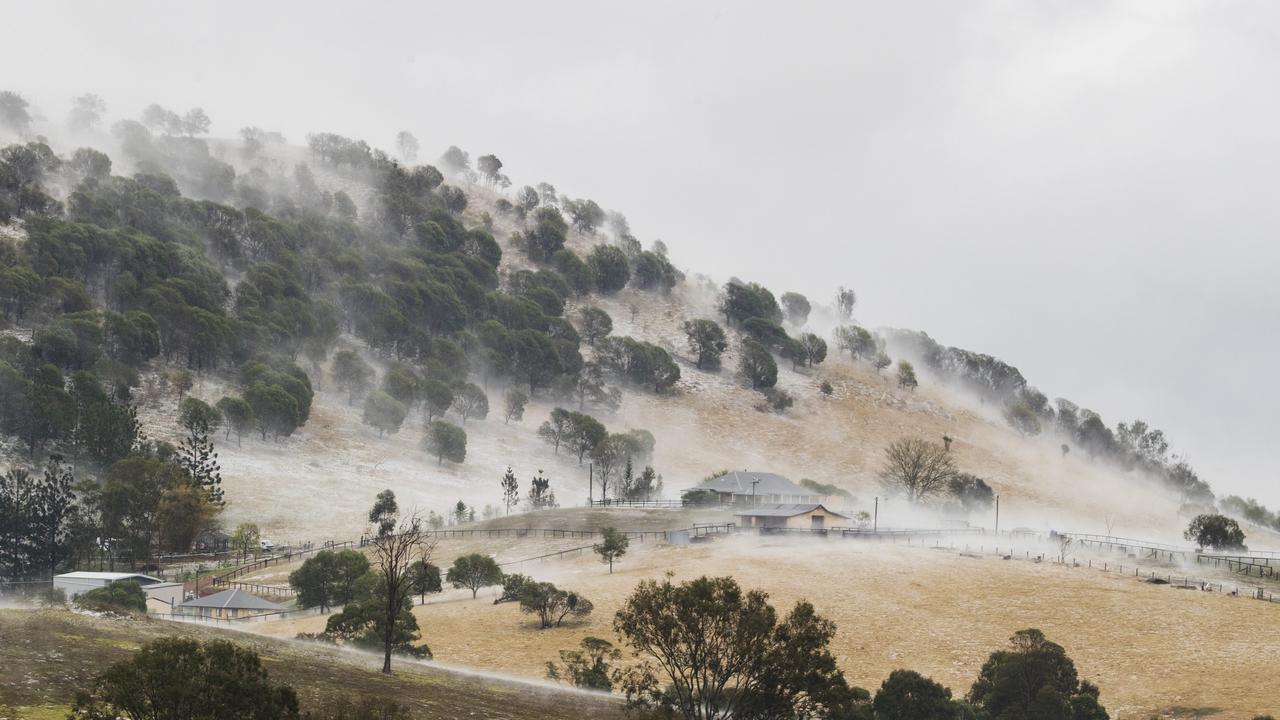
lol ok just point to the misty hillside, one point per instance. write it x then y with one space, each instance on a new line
333 319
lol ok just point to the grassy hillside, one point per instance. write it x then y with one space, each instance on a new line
316 483
1155 650
47 656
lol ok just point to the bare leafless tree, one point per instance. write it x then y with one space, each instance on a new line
917 468
1064 544
392 552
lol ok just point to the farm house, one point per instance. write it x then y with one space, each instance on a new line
228 605
803 516
746 487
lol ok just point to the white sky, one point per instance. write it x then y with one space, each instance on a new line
1083 189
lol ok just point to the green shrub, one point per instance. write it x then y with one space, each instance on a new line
123 595
699 498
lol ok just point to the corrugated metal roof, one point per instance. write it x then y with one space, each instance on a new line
109 576
238 599
739 482
786 510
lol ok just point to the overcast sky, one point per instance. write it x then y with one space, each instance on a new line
1085 190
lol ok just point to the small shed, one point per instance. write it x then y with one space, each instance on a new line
229 604
163 597
803 516
81 581
212 541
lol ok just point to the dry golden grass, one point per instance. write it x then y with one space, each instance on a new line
1154 650
48 656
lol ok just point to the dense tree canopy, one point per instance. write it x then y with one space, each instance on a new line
1034 678
182 678
638 361
1217 532
740 301
707 341
328 579
713 650
757 365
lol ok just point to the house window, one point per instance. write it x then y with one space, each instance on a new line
816 521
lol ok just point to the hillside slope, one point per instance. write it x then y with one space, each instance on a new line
315 484
298 286
59 653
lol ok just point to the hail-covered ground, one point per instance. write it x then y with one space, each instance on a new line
316 484
1154 649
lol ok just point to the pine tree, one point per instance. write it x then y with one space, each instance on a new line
627 486
510 489
540 493
54 504
199 461
16 511
36 516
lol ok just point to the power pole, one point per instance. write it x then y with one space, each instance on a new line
875 522
997 516
591 481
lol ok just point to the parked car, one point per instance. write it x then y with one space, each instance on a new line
267 546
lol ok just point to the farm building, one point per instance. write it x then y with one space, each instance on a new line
803 516
229 604
161 596
745 487
80 582
212 541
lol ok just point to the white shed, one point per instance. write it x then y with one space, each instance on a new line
80 582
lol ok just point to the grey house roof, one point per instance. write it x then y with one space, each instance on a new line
788 510
738 482
237 599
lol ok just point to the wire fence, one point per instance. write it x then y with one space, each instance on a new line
256 588
1124 542
24 589
519 564
229 579
667 535
663 504
1150 575
1263 562
1138 550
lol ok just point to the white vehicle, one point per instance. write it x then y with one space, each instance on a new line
266 546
